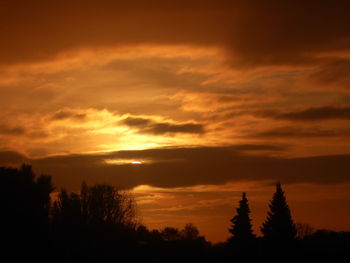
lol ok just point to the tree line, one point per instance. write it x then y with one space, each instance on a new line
100 224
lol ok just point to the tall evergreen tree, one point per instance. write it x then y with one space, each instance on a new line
279 225
241 228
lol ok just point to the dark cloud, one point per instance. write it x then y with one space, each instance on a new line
14 131
310 114
11 130
254 32
197 165
68 114
299 132
161 128
258 147
335 73
158 128
289 32
136 122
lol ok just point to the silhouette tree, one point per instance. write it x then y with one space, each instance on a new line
98 204
44 188
279 224
25 202
67 210
190 232
93 223
304 230
171 234
104 203
241 228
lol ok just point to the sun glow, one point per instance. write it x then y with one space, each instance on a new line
124 161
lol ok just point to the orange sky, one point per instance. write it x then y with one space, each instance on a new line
211 97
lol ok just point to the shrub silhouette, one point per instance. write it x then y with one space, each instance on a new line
171 234
304 230
190 232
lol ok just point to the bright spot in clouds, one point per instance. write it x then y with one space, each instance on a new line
122 161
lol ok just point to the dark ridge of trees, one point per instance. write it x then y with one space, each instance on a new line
189 233
95 205
99 224
24 220
93 224
327 243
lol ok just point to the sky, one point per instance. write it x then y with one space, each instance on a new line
184 103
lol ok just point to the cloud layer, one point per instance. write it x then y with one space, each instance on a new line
312 114
148 126
254 33
178 167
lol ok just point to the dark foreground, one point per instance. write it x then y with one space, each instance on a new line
99 225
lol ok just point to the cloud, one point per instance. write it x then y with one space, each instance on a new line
136 122
253 33
68 114
158 128
310 114
192 166
299 132
161 128
215 101
336 73
11 130
163 64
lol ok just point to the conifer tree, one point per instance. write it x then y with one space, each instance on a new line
241 228
279 225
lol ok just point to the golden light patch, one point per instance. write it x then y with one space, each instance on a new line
125 161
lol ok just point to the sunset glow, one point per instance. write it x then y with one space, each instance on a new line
186 105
